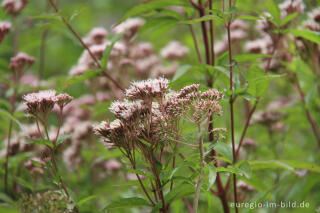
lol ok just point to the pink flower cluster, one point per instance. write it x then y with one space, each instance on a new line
4 29
152 110
14 7
44 101
20 61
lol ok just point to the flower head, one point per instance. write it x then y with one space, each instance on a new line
129 27
20 61
147 89
14 6
63 99
96 36
4 29
174 50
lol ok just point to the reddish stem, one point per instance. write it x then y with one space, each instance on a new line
85 46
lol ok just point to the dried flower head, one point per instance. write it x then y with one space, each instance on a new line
4 29
174 51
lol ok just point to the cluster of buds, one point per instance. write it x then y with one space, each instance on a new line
4 29
41 103
14 7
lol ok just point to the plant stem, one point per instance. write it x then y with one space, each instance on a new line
311 120
13 108
85 46
143 187
199 181
195 42
231 101
158 182
246 127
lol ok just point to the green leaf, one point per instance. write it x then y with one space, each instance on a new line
62 139
307 34
244 168
52 16
303 165
271 164
274 11
147 6
139 172
224 149
79 79
127 202
8 209
247 96
86 199
248 17
6 114
5 198
229 169
41 142
250 57
201 19
288 18
181 71
212 175
108 50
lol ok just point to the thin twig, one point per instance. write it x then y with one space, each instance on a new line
195 42
85 46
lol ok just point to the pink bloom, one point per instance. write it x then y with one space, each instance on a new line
63 99
174 50
20 61
148 88
96 36
4 29
14 6
129 27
